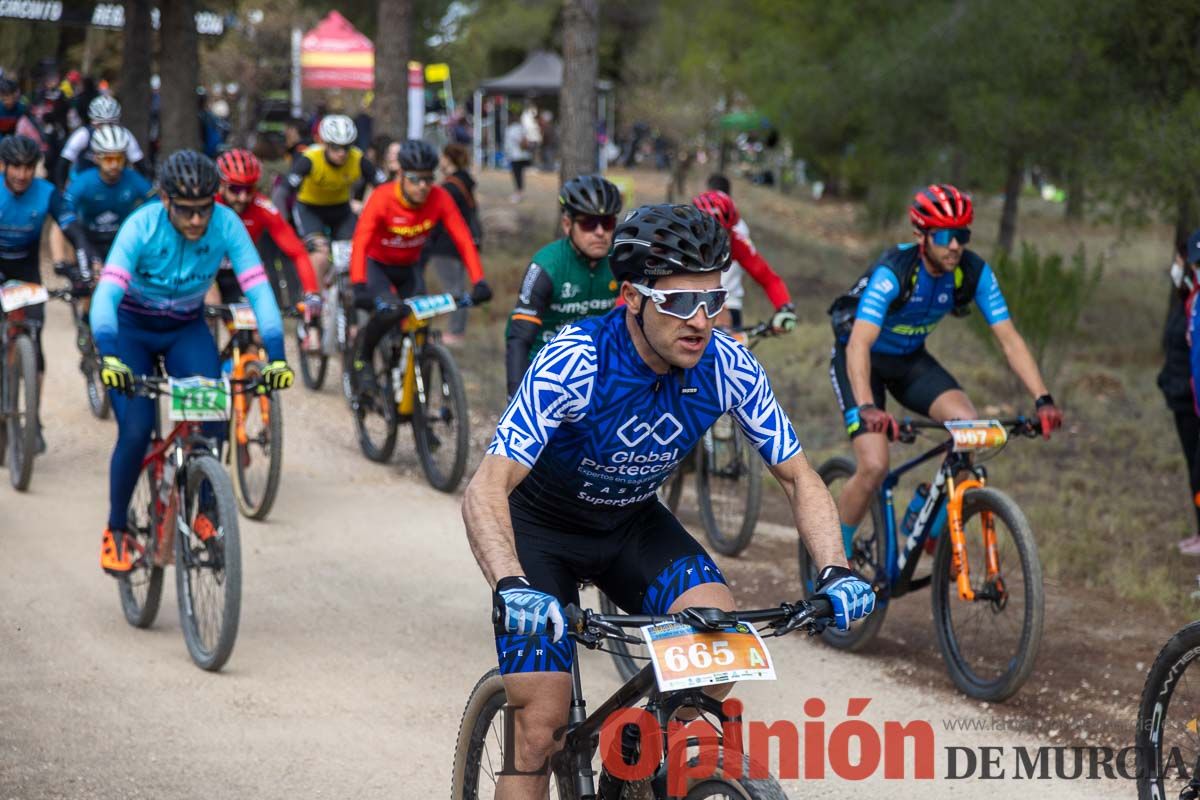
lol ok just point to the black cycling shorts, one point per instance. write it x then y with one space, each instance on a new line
324 222
643 566
915 380
387 280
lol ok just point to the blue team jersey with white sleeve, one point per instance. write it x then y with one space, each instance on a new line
601 431
102 207
22 217
153 271
904 330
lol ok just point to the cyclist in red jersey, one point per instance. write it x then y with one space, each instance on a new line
240 171
386 251
720 205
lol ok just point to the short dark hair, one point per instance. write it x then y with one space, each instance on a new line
720 183
458 154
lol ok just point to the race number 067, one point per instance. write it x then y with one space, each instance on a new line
698 656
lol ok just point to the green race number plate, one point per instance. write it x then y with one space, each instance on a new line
199 399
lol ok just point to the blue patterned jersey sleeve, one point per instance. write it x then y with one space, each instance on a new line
557 388
882 289
989 298
746 392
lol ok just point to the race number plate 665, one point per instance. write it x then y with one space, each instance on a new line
685 657
199 399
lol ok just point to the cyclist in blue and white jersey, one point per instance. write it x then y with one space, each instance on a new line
149 304
78 154
880 327
103 197
25 204
607 409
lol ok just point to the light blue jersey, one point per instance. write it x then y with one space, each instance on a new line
102 207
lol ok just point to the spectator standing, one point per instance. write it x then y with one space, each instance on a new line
442 252
1175 378
516 150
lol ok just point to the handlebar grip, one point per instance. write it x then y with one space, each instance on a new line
821 607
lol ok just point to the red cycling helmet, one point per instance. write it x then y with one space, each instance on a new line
240 167
940 206
719 205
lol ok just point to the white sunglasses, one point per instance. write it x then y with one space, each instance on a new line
684 303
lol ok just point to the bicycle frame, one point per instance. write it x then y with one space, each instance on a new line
242 350
407 380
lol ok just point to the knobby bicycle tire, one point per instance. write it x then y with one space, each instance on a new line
1164 677
145 579
22 429
258 507
205 468
725 536
380 450
97 395
741 788
452 390
871 556
945 595
313 365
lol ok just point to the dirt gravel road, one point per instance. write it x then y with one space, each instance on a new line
364 626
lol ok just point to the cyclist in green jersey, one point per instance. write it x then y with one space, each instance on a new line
569 279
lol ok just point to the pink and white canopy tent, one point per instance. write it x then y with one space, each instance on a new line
334 55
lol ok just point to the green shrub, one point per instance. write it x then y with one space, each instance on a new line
1046 298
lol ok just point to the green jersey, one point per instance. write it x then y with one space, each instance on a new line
560 287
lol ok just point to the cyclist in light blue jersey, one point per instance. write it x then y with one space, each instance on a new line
26 202
881 325
149 304
602 415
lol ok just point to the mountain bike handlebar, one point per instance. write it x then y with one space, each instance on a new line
1030 427
153 386
590 629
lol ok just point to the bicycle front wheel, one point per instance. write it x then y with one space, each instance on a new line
257 450
479 753
21 408
141 588
1167 717
868 558
991 642
375 416
728 486
208 563
313 363
722 787
440 424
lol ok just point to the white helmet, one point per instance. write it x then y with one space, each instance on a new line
110 139
104 109
338 129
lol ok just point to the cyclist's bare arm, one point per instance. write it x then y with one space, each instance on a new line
813 509
1019 357
489 524
858 360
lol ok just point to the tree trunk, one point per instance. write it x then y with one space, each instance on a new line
392 49
1012 195
577 103
1074 209
180 69
135 71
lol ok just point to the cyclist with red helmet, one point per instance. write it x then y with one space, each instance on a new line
720 205
240 172
881 325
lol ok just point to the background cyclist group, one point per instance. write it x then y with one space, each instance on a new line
612 371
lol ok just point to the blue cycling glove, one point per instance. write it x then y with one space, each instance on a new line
519 608
852 597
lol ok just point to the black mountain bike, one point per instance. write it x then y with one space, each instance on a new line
479 755
89 356
1168 738
18 380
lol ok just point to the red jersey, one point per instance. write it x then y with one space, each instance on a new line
392 232
758 269
261 216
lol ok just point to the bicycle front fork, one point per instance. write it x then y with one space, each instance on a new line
959 563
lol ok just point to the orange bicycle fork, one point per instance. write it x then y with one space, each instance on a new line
960 568
241 365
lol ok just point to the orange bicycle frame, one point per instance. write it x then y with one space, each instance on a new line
241 365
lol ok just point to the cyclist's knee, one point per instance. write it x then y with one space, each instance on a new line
539 704
317 245
952 404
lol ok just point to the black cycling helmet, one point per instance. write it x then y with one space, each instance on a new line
660 240
189 175
19 150
590 195
418 155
